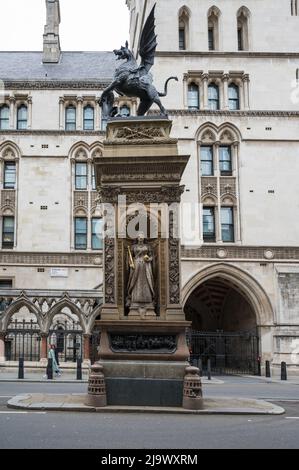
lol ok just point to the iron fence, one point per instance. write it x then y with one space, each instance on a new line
23 340
229 352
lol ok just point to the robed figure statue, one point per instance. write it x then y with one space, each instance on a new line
141 290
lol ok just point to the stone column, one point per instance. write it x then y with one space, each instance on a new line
2 347
245 80
97 117
218 208
225 91
44 347
12 108
29 121
205 91
61 113
86 348
80 113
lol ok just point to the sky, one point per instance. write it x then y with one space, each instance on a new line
86 25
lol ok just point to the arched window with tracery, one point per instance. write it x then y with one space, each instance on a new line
214 29
184 21
243 17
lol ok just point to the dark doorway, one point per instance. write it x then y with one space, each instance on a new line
224 328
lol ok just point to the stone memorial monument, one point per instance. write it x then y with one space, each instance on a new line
143 345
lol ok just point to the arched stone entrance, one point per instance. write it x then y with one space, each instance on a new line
226 307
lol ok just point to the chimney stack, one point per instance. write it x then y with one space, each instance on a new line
52 51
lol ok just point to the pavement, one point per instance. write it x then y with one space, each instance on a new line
75 402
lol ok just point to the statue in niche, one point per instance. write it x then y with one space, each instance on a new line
141 283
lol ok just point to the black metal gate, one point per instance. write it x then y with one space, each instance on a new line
67 337
23 340
229 352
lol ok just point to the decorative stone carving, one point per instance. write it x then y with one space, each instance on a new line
228 186
81 199
109 271
174 263
138 132
143 343
222 253
268 254
209 186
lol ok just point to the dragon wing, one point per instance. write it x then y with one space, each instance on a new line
148 42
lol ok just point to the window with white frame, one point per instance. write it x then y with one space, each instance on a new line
88 118
4 117
22 117
70 118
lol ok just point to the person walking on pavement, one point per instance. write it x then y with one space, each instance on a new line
52 355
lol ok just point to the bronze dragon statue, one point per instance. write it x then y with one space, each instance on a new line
131 79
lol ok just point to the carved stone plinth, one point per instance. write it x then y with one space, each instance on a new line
143 327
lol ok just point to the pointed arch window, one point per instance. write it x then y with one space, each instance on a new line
233 97
213 28
243 29
183 29
88 124
193 96
22 117
213 97
4 117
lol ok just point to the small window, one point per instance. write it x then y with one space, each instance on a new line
8 232
22 117
9 175
182 39
206 160
81 176
227 224
240 40
93 178
80 233
4 117
211 37
88 118
70 118
5 284
193 96
213 94
209 224
225 160
97 234
125 111
233 97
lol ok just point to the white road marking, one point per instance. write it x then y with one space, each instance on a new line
291 417
23 412
6 396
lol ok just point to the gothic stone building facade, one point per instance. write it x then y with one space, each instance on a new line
235 110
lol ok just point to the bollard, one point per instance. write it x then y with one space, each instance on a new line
79 369
192 395
268 371
21 368
96 396
259 368
209 369
200 366
50 369
283 371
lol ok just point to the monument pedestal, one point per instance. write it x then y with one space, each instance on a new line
143 341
